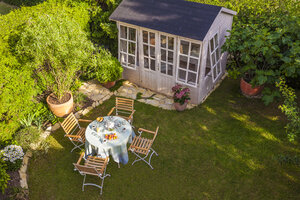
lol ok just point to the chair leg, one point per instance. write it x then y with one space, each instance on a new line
76 146
143 158
83 183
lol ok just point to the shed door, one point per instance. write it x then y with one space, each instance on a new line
166 64
149 59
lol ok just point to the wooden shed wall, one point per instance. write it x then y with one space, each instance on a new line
222 23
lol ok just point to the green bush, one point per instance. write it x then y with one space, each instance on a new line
4 177
23 2
26 136
104 67
13 157
290 109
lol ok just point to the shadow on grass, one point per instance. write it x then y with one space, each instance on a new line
222 149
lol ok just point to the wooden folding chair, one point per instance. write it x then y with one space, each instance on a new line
124 108
141 145
74 131
94 166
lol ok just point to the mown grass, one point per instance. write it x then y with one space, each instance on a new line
226 148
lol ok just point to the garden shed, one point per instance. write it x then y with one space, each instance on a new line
164 42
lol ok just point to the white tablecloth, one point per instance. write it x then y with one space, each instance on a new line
96 142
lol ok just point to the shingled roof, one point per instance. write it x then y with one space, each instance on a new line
178 17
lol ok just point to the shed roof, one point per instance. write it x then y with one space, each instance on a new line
178 17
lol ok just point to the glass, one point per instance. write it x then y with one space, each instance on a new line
131 48
145 36
146 63
218 68
218 54
123 58
170 70
163 68
152 66
212 48
163 55
163 41
193 64
152 52
123 46
152 38
146 50
170 43
184 47
170 56
183 62
132 34
131 61
123 32
213 58
182 75
191 78
216 40
195 49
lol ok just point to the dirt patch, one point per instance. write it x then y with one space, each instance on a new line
53 99
13 190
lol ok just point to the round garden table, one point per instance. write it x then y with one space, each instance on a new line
96 143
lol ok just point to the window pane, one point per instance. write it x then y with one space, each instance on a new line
218 68
152 66
145 36
131 61
163 55
184 47
146 63
123 58
214 73
193 64
131 48
183 62
208 66
123 32
216 40
170 70
163 68
132 34
218 54
170 56
170 43
212 45
152 52
152 38
123 46
195 49
213 58
146 50
191 78
163 41
181 75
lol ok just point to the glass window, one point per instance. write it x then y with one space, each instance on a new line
152 64
215 57
195 49
145 36
163 55
191 78
182 74
183 62
193 64
170 57
163 68
163 41
146 62
152 38
167 54
170 70
152 52
170 43
128 45
184 47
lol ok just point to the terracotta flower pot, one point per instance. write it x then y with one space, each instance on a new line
63 109
179 107
109 84
248 90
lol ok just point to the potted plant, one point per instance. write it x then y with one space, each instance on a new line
181 97
105 68
55 47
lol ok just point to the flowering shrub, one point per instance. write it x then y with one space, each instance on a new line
181 95
4 177
13 155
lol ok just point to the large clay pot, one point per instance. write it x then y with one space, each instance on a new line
179 107
61 110
109 84
248 90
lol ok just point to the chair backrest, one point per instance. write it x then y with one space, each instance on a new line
86 170
155 134
70 123
124 105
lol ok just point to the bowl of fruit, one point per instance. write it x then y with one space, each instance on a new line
112 136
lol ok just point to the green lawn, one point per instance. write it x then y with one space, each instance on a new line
5 8
225 148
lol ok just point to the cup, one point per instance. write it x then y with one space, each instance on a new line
98 129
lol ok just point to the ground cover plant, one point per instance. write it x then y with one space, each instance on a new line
226 148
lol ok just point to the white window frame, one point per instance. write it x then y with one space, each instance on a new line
127 41
211 54
179 39
149 45
167 53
